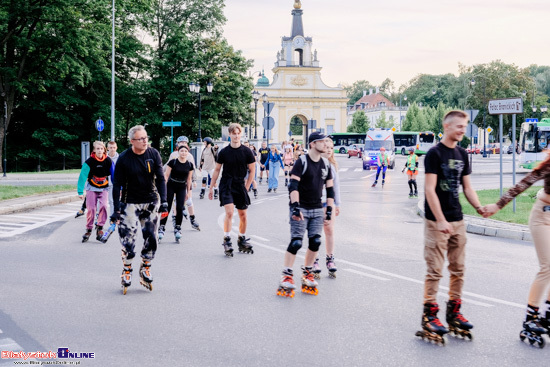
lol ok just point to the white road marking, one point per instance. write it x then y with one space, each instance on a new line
37 222
358 170
366 275
259 238
343 169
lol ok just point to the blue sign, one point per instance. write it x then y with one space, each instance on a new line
99 125
268 123
531 120
171 123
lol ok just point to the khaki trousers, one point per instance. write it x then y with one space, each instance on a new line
436 245
539 224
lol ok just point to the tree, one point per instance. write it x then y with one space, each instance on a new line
381 121
360 123
355 91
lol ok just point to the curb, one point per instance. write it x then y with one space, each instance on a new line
34 204
521 234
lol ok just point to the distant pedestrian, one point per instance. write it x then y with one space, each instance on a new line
207 165
113 155
273 162
264 153
94 177
236 161
382 162
288 161
411 166
139 174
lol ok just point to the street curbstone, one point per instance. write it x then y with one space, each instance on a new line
35 204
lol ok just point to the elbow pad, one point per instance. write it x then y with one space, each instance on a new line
330 192
293 185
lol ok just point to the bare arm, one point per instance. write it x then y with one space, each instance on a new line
214 180
251 170
167 172
471 194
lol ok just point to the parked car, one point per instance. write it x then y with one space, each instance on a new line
475 149
493 148
355 151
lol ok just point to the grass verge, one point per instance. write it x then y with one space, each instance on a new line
12 192
524 203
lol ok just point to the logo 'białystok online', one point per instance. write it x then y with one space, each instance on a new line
62 353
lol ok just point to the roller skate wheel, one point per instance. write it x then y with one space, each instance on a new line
332 274
124 290
317 276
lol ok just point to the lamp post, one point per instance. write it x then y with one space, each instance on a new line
256 97
404 97
5 161
196 88
113 78
264 97
473 82
542 109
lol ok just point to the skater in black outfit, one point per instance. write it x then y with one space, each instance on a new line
236 159
179 179
139 174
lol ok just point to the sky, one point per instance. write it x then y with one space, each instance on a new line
396 39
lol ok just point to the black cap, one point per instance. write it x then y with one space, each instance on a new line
314 136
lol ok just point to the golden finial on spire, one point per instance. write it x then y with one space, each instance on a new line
297 4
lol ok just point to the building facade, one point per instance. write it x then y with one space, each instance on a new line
374 105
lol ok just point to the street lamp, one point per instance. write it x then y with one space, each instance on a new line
256 97
196 88
473 82
404 97
5 135
264 97
113 78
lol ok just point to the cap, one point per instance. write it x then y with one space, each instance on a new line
314 136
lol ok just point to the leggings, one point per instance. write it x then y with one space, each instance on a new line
180 191
539 225
383 172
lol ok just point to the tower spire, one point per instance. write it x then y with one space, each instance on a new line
297 25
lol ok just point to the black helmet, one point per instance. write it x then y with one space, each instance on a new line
208 140
411 149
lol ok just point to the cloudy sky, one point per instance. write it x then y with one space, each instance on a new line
399 39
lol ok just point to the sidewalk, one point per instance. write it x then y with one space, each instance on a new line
36 201
490 227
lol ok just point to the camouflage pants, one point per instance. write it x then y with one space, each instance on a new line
148 217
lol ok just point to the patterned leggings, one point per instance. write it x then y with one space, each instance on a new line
148 216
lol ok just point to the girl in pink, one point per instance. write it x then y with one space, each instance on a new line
288 161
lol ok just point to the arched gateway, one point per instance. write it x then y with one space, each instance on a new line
297 90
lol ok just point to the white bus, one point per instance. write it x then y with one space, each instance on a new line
420 141
533 139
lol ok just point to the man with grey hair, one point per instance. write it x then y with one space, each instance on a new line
139 189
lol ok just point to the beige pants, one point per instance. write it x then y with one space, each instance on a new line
436 244
539 224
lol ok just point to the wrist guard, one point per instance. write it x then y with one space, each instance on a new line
295 207
329 212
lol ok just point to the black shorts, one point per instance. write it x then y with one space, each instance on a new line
266 168
234 192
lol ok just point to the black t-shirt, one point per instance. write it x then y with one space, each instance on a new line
180 171
140 177
312 181
264 153
450 166
235 161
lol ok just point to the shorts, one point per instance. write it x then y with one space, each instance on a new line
207 173
266 168
234 192
412 173
313 222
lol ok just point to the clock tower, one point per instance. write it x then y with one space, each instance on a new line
299 95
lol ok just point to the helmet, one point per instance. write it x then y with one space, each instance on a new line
208 140
411 149
382 149
182 139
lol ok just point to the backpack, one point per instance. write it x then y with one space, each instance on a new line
304 162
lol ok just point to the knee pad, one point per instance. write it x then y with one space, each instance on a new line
204 180
286 173
294 246
314 243
189 202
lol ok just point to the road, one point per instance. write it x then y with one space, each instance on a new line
209 310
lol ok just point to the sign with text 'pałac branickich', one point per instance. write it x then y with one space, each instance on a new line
505 106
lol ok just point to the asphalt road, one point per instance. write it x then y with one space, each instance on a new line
209 310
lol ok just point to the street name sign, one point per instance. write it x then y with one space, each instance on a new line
505 106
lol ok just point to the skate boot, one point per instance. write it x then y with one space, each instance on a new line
260 181
286 181
177 233
458 325
331 266
383 182
255 193
411 195
316 269
268 190
87 235
126 277
98 232
194 223
432 328
215 193
162 229
545 319
80 213
274 190
533 328
146 279
286 285
227 248
201 196
415 194
309 284
244 246
374 183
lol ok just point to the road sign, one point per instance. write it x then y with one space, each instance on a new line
472 130
472 114
440 135
268 107
393 129
171 123
531 120
505 106
99 125
268 123
489 129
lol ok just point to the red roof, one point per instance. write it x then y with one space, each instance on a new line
373 100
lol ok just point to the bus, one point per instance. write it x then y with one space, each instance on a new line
420 141
343 140
533 139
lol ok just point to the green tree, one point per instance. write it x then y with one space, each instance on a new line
382 122
355 91
359 124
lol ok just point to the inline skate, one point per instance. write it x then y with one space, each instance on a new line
126 277
87 235
227 248
286 285
432 328
215 193
162 229
201 195
331 266
316 269
194 223
108 233
309 284
533 327
255 193
98 232
244 246
177 233
80 213
374 183
146 279
458 325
